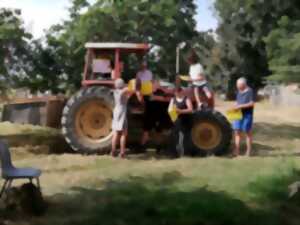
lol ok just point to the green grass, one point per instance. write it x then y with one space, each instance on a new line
101 190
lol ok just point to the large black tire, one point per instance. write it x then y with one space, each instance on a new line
86 120
210 133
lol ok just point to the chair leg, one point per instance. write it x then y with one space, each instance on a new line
38 183
3 188
9 184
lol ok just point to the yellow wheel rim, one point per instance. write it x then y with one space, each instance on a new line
93 121
206 135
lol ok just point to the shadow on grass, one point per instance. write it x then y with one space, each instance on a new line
272 192
151 200
262 132
272 131
273 189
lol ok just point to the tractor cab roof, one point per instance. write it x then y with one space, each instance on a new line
123 47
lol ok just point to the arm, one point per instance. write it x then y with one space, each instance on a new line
250 103
199 78
155 85
245 106
208 93
127 92
113 74
137 88
189 108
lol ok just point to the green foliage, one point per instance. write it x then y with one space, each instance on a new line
255 39
283 45
13 46
243 26
164 24
209 52
45 71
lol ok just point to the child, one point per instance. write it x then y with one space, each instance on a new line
184 107
120 123
145 75
182 103
199 82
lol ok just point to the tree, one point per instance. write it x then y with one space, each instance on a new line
283 47
243 26
163 24
13 47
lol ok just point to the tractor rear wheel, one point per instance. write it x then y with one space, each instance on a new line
211 133
87 119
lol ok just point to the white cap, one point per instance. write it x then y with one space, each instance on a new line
242 80
119 83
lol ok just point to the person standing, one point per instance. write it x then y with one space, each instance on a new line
120 123
245 103
145 75
184 107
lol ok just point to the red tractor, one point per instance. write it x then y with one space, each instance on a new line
87 116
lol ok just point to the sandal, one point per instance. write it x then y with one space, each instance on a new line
122 155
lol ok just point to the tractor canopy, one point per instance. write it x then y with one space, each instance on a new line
103 62
123 47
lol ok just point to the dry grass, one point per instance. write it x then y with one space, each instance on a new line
276 130
8 128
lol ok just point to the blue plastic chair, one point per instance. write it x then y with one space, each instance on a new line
10 173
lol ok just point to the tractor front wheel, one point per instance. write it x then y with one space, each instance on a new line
87 119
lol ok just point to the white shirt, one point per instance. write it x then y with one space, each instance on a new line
195 71
145 75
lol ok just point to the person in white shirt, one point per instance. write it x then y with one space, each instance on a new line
198 81
145 75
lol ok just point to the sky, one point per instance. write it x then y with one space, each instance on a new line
39 15
206 19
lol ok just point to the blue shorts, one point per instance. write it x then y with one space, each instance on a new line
245 124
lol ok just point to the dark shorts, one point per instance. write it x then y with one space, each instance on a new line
201 86
245 124
148 118
154 115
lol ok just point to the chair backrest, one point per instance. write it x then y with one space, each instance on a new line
5 156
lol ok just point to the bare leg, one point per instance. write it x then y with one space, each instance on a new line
145 138
123 140
237 142
197 97
208 93
249 139
114 143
